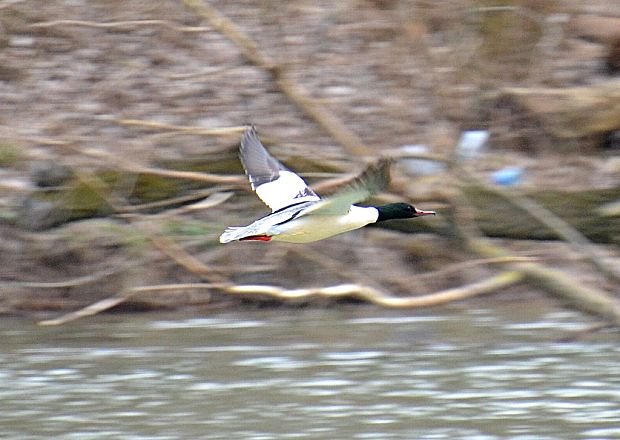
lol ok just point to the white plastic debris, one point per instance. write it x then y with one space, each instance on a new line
419 166
471 144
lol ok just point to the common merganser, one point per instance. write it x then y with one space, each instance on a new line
298 214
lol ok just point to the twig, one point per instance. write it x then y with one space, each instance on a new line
108 303
573 336
119 24
197 195
220 131
181 256
334 265
164 244
324 117
205 72
189 175
48 141
250 50
133 167
455 267
72 282
584 298
398 154
210 202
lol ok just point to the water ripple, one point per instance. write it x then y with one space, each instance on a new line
310 376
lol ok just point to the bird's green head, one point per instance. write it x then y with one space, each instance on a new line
400 210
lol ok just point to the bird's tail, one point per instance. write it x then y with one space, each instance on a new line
232 233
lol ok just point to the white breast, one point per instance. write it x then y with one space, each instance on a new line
306 229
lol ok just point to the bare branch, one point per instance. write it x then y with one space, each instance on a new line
374 296
366 293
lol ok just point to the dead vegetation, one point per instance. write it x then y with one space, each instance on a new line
147 119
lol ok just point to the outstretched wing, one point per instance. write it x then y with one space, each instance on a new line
274 184
374 179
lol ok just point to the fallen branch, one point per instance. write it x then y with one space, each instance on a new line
584 298
559 284
577 241
189 175
375 296
365 293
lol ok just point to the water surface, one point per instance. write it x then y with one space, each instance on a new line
352 373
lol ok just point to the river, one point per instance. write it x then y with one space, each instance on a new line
465 371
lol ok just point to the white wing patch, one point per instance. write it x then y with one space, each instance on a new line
287 189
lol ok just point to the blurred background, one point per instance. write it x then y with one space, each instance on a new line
120 124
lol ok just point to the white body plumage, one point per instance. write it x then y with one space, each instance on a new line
309 228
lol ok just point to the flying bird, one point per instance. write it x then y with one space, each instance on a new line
298 214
